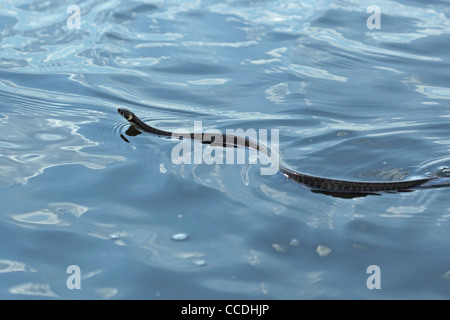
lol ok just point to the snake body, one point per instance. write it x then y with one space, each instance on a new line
313 182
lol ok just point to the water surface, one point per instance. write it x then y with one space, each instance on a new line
349 103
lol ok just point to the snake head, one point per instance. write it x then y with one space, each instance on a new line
127 114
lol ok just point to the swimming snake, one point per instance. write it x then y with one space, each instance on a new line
326 185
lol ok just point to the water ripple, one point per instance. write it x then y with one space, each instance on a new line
44 142
336 39
315 73
51 215
346 99
7 266
434 92
33 289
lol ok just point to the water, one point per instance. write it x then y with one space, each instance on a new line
349 102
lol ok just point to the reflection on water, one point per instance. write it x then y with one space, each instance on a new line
44 142
434 92
33 289
11 266
51 215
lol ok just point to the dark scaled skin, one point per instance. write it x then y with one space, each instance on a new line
313 182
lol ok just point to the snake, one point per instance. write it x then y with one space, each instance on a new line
320 184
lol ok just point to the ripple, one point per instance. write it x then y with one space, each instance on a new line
37 143
30 101
4 144
33 289
396 37
277 94
124 33
315 73
44 216
206 82
52 215
7 266
49 137
245 174
435 166
180 237
107 293
424 20
279 247
434 92
238 44
406 209
12 63
226 62
139 62
120 127
283 16
323 251
199 263
336 39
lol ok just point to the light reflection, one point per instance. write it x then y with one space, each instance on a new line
107 293
426 20
52 215
156 45
323 251
336 39
210 176
434 92
277 53
7 266
395 37
345 125
45 142
284 16
279 196
238 44
206 82
125 33
388 69
139 62
33 289
381 134
264 61
277 94
45 217
406 209
315 73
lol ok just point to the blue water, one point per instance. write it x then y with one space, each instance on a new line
349 102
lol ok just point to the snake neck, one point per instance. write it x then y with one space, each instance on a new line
142 126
